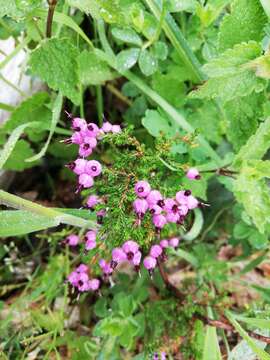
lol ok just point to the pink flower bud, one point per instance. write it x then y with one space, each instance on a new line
79 166
91 235
90 244
155 210
137 258
159 221
142 188
130 248
106 127
116 129
82 268
149 262
174 242
170 204
118 255
92 201
91 141
86 181
85 150
192 202
94 284
172 217
72 240
164 243
78 124
77 138
92 130
155 251
140 207
182 197
154 197
83 282
193 174
73 278
93 168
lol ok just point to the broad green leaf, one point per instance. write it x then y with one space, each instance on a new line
230 87
243 116
262 355
160 50
252 191
17 160
127 35
211 346
8 8
126 59
261 66
256 146
231 60
245 22
92 71
109 326
21 222
87 6
229 76
57 107
33 108
156 124
170 86
147 63
55 62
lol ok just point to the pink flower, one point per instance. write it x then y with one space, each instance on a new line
82 268
155 209
172 217
142 188
92 130
92 201
116 129
78 124
174 242
94 284
106 127
91 141
155 251
137 258
90 244
93 168
106 267
77 138
170 205
78 166
159 221
192 202
86 181
183 210
83 280
193 174
73 278
85 150
72 240
164 243
130 248
118 255
149 262
140 207
182 197
154 197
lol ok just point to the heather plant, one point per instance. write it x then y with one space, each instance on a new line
134 195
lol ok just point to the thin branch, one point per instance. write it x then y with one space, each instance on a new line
52 5
168 284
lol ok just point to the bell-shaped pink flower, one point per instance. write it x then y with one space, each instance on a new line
140 207
86 181
154 197
150 262
156 251
193 174
159 221
142 188
93 168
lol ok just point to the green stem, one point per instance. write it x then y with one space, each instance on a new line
177 39
99 104
17 202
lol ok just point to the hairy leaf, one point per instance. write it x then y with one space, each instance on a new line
17 160
55 63
245 22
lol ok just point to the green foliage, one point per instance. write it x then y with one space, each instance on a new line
246 22
55 63
229 77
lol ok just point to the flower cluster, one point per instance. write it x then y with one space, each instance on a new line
163 210
90 240
80 280
86 135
